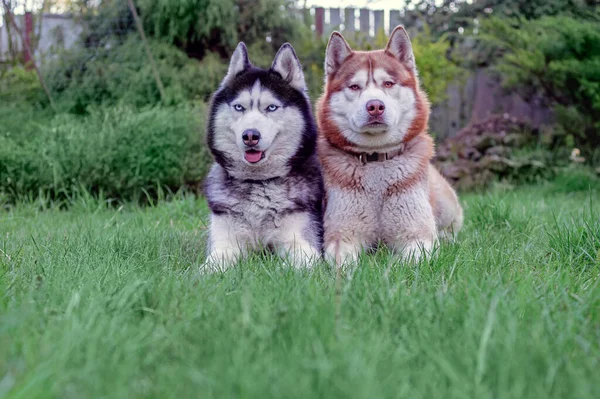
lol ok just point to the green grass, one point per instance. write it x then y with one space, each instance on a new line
101 302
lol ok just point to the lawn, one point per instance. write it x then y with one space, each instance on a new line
105 302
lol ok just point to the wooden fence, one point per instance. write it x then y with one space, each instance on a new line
354 20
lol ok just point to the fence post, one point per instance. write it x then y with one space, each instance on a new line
365 23
28 34
319 21
140 28
335 19
378 20
349 19
395 19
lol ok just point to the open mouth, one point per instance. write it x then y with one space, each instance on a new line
254 156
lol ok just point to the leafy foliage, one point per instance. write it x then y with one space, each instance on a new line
119 152
534 9
198 26
20 85
558 57
448 16
122 74
500 148
436 71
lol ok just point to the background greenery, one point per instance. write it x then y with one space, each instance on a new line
106 97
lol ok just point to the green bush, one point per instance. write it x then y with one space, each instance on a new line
199 26
501 148
121 74
436 71
559 58
576 178
446 16
119 152
20 85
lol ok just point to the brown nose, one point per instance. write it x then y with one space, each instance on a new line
251 137
375 107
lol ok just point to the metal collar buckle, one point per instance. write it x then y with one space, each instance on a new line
365 158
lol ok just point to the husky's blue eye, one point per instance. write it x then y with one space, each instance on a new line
272 108
238 108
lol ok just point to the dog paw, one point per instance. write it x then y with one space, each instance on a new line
219 262
302 258
448 235
341 253
416 251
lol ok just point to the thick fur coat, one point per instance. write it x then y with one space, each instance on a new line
376 153
265 188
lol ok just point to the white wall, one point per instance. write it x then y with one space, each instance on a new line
58 31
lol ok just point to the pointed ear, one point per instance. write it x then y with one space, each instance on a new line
337 51
239 62
400 47
286 64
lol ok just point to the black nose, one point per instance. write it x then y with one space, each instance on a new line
251 137
375 107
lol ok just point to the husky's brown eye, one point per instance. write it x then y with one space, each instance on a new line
388 84
354 87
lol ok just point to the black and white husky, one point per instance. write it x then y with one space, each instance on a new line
265 187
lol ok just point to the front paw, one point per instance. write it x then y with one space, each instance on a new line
415 251
448 235
219 261
341 253
302 258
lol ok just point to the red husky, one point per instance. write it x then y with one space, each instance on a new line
376 152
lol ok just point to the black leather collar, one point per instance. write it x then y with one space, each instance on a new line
366 158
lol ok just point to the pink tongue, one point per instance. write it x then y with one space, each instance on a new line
253 156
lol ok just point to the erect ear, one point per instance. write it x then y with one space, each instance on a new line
286 64
337 51
400 47
239 62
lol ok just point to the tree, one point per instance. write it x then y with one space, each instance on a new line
448 16
198 26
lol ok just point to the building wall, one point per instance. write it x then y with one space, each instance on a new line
57 31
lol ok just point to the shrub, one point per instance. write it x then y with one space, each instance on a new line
122 74
20 85
447 16
118 152
500 148
22 100
199 26
436 71
575 178
558 57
